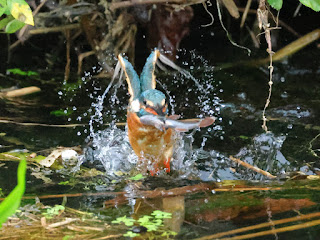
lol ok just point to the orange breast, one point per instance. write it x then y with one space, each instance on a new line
149 143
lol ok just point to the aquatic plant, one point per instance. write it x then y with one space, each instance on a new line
147 223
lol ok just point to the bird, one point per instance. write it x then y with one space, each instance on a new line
152 145
152 133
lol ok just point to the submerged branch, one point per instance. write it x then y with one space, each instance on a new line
157 193
249 166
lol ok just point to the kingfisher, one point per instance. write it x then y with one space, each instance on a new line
151 132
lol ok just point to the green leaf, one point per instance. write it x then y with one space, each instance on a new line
137 177
131 234
313 4
21 11
144 220
276 4
12 202
3 6
14 26
53 211
18 71
150 227
67 237
160 214
5 21
127 221
61 112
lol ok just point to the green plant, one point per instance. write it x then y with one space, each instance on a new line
313 4
12 202
53 211
152 222
61 112
137 177
18 14
18 71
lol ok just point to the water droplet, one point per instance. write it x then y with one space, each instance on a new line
242 96
284 94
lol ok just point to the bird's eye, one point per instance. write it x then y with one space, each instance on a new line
144 102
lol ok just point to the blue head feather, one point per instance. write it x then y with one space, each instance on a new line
132 78
142 89
154 99
147 77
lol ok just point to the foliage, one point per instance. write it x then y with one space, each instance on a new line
277 4
19 156
151 222
12 202
137 177
313 4
18 15
61 112
18 71
53 211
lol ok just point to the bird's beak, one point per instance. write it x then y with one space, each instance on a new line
157 110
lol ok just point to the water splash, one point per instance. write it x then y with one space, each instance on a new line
110 147
265 153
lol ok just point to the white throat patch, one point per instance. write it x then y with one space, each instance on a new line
135 105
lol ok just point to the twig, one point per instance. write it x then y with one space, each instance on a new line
256 169
20 92
80 59
124 4
261 225
58 224
245 13
121 199
231 7
162 193
99 194
210 14
264 24
228 34
54 29
67 67
310 145
109 236
278 230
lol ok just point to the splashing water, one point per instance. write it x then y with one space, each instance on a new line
110 148
264 153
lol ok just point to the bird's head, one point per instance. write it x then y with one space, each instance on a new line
153 102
